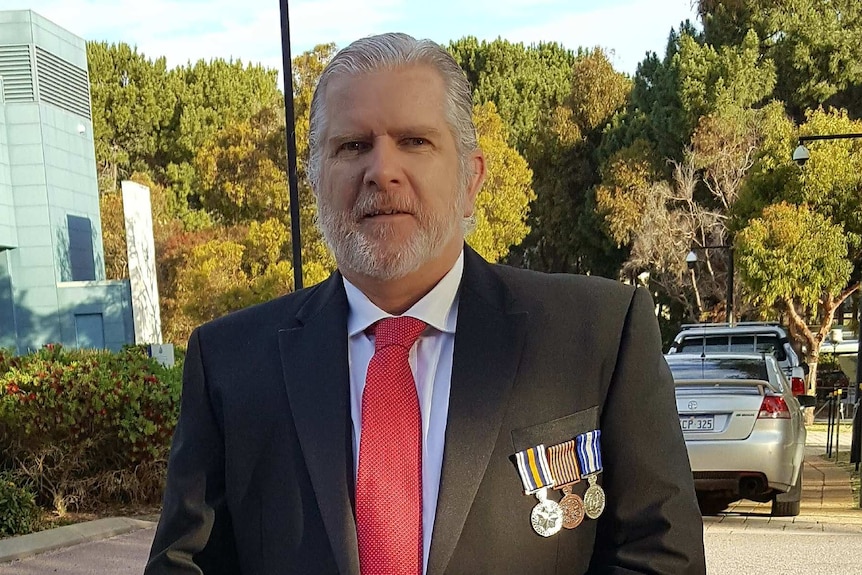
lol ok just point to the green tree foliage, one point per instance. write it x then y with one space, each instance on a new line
830 183
133 102
797 258
816 46
565 232
522 81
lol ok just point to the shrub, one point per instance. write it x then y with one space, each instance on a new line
19 513
88 427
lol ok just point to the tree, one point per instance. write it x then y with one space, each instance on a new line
816 46
242 169
503 203
133 102
565 233
520 80
797 258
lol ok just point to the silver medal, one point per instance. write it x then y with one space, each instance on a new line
547 515
594 499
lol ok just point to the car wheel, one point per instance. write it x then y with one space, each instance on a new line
788 504
712 504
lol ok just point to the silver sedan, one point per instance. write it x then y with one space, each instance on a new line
743 429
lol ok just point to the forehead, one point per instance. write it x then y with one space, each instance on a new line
386 99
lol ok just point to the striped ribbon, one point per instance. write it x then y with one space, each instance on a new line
589 452
534 470
564 464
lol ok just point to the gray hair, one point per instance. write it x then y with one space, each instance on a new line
386 52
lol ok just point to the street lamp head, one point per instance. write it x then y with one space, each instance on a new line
801 155
691 259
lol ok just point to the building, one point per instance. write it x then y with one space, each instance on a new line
52 271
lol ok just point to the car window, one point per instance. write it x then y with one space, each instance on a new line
718 368
770 344
698 344
743 343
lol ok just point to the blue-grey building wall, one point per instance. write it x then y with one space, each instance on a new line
49 198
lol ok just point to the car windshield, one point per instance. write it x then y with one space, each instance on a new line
693 367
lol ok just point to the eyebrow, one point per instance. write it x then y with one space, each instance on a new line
409 131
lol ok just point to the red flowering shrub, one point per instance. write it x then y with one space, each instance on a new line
88 427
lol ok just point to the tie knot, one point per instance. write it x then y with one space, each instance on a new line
401 331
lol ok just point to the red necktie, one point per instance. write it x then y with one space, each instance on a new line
389 481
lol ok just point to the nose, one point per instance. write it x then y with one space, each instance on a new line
384 169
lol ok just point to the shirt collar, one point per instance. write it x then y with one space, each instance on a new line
435 309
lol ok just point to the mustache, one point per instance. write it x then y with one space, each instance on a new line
371 203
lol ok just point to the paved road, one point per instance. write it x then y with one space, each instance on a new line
770 552
120 555
755 550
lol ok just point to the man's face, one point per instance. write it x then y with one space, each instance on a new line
392 198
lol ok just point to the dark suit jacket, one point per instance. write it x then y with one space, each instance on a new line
260 478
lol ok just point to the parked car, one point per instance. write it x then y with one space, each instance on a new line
750 337
743 429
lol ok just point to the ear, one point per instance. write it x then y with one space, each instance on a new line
476 167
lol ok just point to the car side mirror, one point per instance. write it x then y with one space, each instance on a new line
806 400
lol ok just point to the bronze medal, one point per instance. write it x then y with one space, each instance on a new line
573 508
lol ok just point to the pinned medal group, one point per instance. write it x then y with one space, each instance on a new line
560 467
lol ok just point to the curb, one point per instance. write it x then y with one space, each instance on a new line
25 546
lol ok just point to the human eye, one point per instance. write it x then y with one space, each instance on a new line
353 146
416 142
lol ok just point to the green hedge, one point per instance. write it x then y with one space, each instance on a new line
19 513
87 428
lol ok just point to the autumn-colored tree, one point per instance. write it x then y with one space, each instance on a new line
503 202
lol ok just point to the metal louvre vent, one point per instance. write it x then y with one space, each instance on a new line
16 69
62 84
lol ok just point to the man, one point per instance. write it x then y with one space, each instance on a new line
423 411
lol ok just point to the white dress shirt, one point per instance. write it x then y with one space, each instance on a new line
431 362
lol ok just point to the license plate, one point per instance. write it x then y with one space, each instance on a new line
697 423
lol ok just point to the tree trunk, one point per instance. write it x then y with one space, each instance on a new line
811 385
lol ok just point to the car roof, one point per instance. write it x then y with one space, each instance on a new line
709 329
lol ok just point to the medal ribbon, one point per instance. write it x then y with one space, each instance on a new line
534 470
589 452
564 464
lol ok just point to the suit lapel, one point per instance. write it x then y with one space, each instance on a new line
314 359
488 343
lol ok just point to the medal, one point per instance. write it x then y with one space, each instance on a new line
590 459
547 516
594 499
564 467
573 508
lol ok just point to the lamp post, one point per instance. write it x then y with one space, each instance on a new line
691 260
290 134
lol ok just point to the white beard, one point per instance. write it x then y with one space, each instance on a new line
374 254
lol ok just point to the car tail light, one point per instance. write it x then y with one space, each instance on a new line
797 385
773 407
